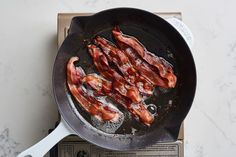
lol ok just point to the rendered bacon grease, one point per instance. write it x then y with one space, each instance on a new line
102 86
135 77
90 104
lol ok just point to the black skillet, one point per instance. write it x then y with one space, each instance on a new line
172 105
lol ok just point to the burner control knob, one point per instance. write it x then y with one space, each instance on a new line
82 153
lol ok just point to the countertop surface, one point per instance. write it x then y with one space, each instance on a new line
28 37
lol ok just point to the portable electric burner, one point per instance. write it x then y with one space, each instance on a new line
73 146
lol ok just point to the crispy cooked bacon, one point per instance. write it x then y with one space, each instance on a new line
118 82
122 62
144 68
90 104
164 68
101 85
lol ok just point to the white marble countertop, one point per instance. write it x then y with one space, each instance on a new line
28 49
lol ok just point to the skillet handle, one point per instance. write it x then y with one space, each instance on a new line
183 30
43 146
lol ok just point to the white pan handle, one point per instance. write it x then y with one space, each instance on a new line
43 146
183 30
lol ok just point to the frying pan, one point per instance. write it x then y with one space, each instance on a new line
161 38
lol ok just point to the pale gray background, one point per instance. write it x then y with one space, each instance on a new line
28 49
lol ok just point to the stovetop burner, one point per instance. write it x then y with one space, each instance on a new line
73 146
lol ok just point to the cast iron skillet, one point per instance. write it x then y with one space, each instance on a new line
160 38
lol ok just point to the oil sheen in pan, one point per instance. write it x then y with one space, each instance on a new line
108 127
126 124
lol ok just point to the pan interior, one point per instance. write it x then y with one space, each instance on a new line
162 99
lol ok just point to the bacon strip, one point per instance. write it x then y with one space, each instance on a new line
103 86
118 82
122 62
146 70
164 68
87 102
